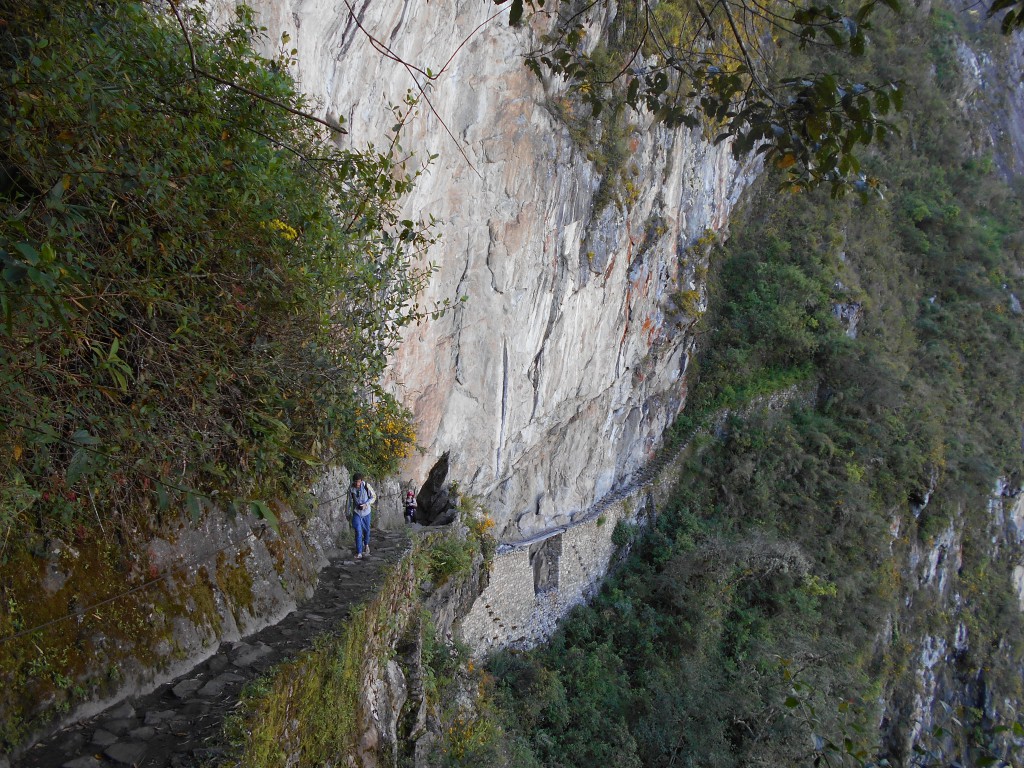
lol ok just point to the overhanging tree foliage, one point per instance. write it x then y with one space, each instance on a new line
711 63
1013 18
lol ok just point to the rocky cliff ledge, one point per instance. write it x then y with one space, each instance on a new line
554 380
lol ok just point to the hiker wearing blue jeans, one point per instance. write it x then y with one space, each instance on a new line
360 501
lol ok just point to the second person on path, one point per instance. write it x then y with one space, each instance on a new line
360 503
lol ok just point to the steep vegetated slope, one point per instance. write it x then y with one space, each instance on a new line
834 582
199 292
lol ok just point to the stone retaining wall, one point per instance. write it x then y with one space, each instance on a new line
534 583
182 595
532 587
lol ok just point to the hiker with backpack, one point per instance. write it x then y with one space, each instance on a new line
410 507
360 504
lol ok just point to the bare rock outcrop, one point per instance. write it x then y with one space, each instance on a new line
554 379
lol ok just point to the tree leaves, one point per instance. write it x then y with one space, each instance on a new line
81 464
515 12
1013 19
810 126
262 509
516 9
158 346
82 437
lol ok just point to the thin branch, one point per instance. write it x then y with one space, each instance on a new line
200 72
704 15
444 125
413 70
470 36
746 54
564 25
382 48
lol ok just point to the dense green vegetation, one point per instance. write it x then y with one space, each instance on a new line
199 289
745 627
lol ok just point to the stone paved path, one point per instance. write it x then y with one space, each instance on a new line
178 724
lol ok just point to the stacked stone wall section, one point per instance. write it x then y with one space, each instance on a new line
512 613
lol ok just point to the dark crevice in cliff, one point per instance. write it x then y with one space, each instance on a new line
399 24
351 30
490 255
557 292
504 407
457 321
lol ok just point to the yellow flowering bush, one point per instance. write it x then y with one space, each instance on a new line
284 230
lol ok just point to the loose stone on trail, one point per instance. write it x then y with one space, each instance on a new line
155 718
126 752
243 654
120 726
186 688
123 710
103 738
217 663
81 762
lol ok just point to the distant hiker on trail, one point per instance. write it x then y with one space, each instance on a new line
410 506
360 500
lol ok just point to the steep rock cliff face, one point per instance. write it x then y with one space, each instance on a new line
990 93
942 631
958 586
554 379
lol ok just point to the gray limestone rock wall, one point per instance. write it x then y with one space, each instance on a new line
942 674
554 380
987 94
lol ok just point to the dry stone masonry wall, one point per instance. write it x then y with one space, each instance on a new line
533 586
535 582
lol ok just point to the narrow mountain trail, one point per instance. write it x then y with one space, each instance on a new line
648 473
637 482
179 724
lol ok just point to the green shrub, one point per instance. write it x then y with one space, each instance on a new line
448 555
199 291
624 534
